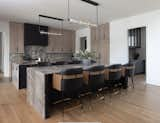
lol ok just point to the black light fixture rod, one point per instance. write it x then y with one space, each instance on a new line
68 9
54 18
97 16
91 2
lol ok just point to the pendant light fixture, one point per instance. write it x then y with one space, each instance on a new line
50 33
80 21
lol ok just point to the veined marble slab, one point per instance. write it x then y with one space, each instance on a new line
37 85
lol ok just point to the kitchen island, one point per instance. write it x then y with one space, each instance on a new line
19 70
39 87
18 73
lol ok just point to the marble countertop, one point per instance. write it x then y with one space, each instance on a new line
22 62
32 62
58 68
45 70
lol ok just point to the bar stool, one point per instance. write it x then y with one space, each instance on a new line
69 82
94 79
113 76
129 71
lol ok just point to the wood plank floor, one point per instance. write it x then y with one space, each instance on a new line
139 105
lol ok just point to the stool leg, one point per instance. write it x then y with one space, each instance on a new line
132 81
110 92
63 107
90 101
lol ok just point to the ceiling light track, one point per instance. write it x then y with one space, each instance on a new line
72 20
50 33
81 22
91 2
49 17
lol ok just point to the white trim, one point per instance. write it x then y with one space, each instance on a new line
4 28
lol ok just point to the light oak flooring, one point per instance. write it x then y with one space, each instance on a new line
3 79
139 105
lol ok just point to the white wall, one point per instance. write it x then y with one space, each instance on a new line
119 43
4 28
83 33
1 53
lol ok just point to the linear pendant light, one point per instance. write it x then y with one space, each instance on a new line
50 33
80 21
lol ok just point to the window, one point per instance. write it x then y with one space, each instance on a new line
83 43
134 38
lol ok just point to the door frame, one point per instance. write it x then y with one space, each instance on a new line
2 60
146 27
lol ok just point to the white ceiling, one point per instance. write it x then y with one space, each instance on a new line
28 10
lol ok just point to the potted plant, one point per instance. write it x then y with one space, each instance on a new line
86 56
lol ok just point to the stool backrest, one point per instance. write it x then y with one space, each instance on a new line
96 77
115 72
129 69
69 81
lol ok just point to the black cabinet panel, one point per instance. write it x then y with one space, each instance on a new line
22 77
32 35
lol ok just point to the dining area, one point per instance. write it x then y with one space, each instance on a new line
60 84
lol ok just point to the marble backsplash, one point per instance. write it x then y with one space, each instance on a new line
35 52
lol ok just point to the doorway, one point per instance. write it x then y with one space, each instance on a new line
83 43
137 49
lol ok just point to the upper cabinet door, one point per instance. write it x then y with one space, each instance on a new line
20 36
104 32
16 38
13 38
64 43
54 42
68 42
51 40
100 42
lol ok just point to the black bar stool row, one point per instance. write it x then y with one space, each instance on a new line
75 82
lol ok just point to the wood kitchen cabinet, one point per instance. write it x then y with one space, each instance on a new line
68 43
52 40
100 42
100 33
63 43
16 37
